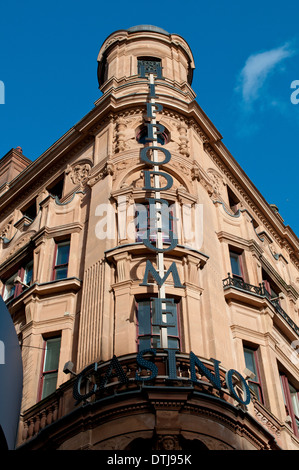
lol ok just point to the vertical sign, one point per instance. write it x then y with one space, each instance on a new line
158 208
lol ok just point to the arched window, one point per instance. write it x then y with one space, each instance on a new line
141 136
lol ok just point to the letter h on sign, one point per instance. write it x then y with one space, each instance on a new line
146 67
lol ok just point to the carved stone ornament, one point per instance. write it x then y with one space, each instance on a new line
5 230
217 181
198 174
79 173
120 132
183 145
168 442
107 169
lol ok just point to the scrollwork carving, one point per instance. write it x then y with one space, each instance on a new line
107 170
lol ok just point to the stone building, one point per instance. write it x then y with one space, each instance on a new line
153 289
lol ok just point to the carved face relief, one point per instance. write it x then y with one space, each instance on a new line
79 173
5 230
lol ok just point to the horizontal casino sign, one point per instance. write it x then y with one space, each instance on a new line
97 377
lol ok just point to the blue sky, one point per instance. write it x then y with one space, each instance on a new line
246 57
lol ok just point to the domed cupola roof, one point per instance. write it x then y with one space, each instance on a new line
147 27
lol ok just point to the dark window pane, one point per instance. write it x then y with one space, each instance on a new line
235 264
156 342
250 361
49 385
52 354
62 254
149 333
28 273
142 136
60 273
10 287
255 388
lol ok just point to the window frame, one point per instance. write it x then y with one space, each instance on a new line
5 284
239 255
285 384
44 373
64 265
270 286
153 335
19 288
258 382
153 238
141 60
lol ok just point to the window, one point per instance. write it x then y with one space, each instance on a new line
28 273
161 138
270 285
50 363
56 189
149 65
233 201
148 335
61 260
291 401
30 210
143 223
9 288
251 361
19 281
236 264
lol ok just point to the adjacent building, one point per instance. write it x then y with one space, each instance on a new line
153 289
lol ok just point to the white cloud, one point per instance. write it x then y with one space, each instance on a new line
257 69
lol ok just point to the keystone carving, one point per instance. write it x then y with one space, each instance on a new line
168 442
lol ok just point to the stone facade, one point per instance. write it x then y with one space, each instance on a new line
82 194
